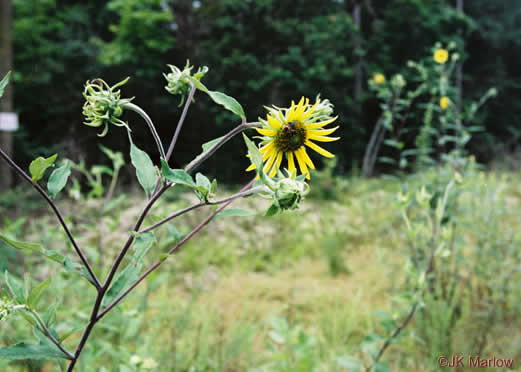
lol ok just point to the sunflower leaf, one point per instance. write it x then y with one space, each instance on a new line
229 103
176 175
27 351
272 210
39 165
58 179
256 156
145 170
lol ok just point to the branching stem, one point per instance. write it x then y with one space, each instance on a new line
57 213
180 123
150 124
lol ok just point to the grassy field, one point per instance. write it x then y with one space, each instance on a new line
310 290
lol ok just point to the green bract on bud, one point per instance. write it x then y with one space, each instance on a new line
290 193
104 105
286 190
179 81
323 110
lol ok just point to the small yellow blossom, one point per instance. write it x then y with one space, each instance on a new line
444 102
441 56
379 78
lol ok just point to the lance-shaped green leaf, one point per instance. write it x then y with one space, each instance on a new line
145 171
204 186
15 287
142 244
229 103
36 293
39 165
128 276
272 210
256 158
176 175
58 179
67 263
3 83
23 351
20 245
208 145
235 213
206 148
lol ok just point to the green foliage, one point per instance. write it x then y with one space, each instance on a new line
146 172
26 351
58 179
39 165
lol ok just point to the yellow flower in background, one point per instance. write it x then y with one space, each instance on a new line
444 102
441 56
379 78
286 132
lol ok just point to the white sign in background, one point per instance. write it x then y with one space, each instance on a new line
8 121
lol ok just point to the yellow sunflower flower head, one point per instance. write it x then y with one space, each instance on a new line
379 78
444 102
441 56
287 132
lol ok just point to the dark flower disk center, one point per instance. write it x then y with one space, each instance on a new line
291 137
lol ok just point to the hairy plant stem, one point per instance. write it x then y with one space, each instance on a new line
174 249
150 124
201 158
202 204
24 175
48 333
180 123
95 313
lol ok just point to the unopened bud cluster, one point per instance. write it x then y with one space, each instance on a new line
180 81
287 191
104 105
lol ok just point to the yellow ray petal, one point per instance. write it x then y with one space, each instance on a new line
322 132
291 112
268 164
306 157
319 149
266 148
274 122
301 107
310 110
291 162
266 132
321 124
323 138
251 167
302 164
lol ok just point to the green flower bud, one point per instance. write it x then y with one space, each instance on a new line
398 81
104 105
179 81
324 109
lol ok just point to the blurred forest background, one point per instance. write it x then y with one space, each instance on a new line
427 262
261 52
